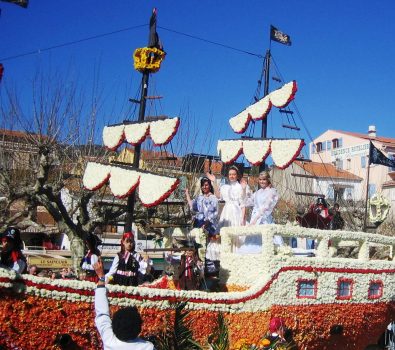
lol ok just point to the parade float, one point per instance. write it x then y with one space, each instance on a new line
328 301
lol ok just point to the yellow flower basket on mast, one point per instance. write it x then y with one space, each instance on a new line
148 59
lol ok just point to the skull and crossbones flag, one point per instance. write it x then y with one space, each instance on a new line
378 157
280 37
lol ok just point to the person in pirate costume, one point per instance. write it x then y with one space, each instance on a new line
279 336
191 267
126 263
11 253
91 257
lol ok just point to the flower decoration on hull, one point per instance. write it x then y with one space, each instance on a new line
96 175
279 98
113 136
256 151
136 133
161 132
284 152
123 181
229 150
154 189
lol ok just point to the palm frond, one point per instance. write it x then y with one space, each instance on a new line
179 336
221 340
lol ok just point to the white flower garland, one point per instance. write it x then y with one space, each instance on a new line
95 175
162 131
239 123
279 98
273 278
113 136
282 97
154 189
260 109
136 133
285 151
256 151
123 181
229 150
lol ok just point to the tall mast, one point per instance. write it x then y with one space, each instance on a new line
265 93
150 64
137 150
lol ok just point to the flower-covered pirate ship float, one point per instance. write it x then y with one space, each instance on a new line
328 301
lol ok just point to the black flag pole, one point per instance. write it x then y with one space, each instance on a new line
367 189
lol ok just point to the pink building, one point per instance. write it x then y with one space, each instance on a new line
349 151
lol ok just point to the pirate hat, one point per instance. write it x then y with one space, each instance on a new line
321 201
93 240
12 233
187 243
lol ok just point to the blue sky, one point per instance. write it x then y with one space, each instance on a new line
342 57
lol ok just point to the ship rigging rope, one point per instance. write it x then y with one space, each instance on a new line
341 200
212 42
38 51
98 36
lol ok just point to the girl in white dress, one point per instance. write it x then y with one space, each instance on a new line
265 199
234 195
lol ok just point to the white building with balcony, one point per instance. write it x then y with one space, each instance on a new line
349 151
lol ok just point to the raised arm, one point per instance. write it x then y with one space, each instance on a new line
188 197
102 310
213 180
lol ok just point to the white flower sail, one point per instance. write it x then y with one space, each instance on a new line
282 97
229 150
256 151
95 175
239 123
136 133
260 109
154 189
113 136
123 181
284 152
162 131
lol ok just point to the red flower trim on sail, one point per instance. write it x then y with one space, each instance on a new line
264 114
293 158
292 96
120 141
142 139
264 157
100 185
132 189
244 128
235 157
164 196
175 129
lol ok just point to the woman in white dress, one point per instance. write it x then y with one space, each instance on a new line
234 195
265 199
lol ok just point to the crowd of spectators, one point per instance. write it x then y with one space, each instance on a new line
64 273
